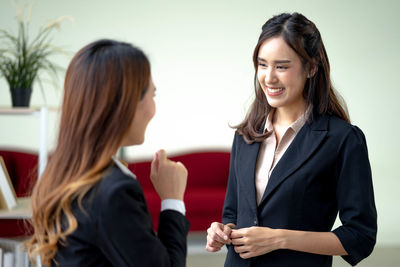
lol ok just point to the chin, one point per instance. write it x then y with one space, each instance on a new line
274 104
134 142
139 141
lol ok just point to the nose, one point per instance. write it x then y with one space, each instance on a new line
270 77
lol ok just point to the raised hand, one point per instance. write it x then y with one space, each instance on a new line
169 178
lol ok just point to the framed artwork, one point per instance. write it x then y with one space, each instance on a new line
8 198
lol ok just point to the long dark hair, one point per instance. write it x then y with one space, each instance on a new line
104 82
304 38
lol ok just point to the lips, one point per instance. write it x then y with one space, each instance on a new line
274 91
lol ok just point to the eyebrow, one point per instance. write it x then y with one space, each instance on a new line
275 61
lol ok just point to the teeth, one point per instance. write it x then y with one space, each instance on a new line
275 90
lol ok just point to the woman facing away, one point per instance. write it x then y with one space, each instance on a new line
88 208
296 162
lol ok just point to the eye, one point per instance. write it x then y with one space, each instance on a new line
263 65
281 67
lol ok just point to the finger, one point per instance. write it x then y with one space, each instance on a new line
246 255
211 233
181 166
220 233
155 163
241 249
237 233
237 241
162 156
212 249
231 225
214 243
227 230
215 237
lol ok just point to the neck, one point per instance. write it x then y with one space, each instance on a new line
286 116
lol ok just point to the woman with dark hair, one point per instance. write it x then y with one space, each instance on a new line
88 209
296 162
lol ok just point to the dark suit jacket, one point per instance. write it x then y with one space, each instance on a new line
117 229
324 170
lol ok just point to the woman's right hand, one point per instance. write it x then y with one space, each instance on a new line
218 235
169 178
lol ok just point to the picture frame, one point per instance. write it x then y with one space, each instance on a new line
8 198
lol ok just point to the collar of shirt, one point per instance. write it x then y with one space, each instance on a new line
122 167
295 126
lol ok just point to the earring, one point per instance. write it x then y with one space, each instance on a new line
309 75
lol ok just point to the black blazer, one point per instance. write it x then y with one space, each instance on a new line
117 229
324 170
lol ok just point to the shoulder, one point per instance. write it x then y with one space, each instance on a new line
117 194
344 132
114 186
341 126
114 177
239 140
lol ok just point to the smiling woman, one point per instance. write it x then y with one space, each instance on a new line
282 76
296 162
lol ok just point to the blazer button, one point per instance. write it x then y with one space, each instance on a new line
255 222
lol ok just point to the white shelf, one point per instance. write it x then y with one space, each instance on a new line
23 208
24 111
21 211
42 112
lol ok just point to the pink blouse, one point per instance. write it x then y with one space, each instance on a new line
270 153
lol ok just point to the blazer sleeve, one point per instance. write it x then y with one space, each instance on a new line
126 233
355 197
229 213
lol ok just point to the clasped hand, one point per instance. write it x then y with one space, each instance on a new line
248 242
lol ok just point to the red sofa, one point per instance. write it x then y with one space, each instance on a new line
205 190
204 197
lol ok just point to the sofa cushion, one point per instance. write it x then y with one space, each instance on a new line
206 169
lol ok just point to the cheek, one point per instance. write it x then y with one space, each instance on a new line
152 109
297 77
300 83
293 80
260 77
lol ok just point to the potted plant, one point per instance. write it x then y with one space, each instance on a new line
22 59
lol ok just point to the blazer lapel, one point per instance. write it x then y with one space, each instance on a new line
246 173
305 143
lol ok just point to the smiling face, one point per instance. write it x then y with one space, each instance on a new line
145 110
281 75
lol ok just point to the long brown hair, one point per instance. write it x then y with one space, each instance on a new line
304 38
103 84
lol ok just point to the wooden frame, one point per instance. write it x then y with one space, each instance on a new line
8 198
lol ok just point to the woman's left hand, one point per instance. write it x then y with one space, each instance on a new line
255 241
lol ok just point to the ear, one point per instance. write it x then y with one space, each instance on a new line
312 68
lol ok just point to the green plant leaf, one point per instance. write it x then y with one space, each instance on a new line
23 59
